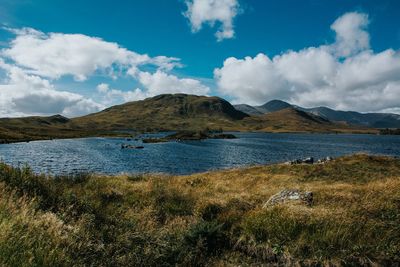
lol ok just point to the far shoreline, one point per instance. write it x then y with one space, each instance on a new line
127 135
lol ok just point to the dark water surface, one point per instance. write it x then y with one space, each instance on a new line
104 155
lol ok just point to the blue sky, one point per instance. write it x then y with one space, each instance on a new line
166 28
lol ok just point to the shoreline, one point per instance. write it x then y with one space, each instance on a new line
127 135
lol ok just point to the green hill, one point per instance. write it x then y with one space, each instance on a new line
35 127
167 112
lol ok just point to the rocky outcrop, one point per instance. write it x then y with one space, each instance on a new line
290 195
124 146
324 160
309 160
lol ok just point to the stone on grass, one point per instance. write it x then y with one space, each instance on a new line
290 195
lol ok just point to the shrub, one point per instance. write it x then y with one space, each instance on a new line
169 202
136 177
209 236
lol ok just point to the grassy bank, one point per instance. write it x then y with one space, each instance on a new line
213 218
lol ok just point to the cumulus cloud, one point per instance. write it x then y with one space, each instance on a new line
210 12
115 96
153 84
344 75
103 87
33 60
163 83
351 34
57 54
25 94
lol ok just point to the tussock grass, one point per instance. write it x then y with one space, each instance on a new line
213 218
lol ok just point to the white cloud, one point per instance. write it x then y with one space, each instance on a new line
344 75
56 54
25 94
34 60
351 34
118 96
163 83
246 79
103 87
153 84
211 12
115 96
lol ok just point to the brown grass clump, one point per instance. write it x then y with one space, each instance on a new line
214 218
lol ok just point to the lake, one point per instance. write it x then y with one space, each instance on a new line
104 155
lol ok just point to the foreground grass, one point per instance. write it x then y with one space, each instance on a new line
213 218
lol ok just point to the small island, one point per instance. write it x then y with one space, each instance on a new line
189 136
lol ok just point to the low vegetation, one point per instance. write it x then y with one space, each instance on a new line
214 218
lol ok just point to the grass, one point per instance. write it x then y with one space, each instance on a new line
214 218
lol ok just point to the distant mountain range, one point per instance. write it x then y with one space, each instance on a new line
174 112
373 120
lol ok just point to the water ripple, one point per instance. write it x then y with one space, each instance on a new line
103 155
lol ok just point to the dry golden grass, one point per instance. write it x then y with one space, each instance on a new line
214 218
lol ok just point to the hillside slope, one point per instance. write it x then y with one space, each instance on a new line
248 109
294 120
166 112
35 128
272 106
375 120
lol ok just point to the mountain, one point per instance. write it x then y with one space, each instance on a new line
35 127
271 106
294 120
374 120
166 112
171 112
248 109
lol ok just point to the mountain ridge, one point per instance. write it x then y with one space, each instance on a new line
374 120
170 112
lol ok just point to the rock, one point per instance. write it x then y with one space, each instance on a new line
223 136
287 195
123 146
324 160
309 160
154 140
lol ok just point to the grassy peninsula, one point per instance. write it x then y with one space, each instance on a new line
214 218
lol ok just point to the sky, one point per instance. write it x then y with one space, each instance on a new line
74 57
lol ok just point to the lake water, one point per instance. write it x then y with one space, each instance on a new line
104 155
